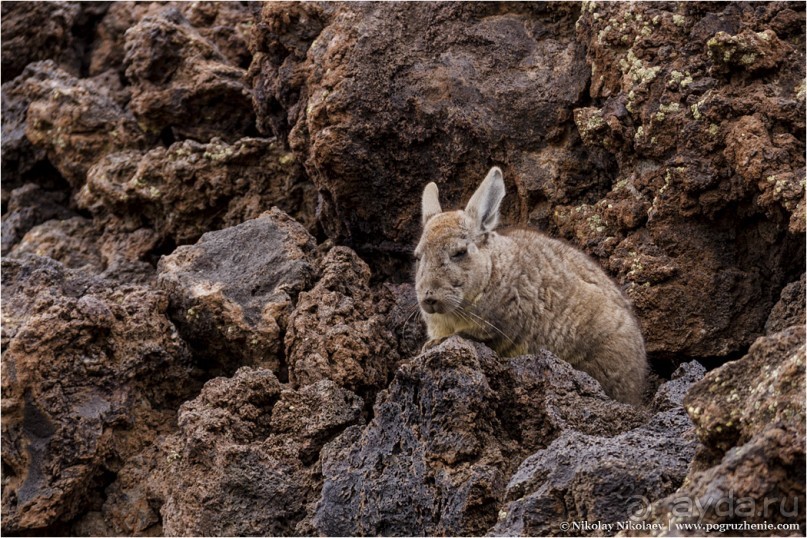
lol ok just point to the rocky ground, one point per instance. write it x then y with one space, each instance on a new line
208 212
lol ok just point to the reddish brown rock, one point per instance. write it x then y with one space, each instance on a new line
749 416
75 122
233 291
789 310
39 31
678 178
183 86
703 216
438 93
243 461
91 373
80 243
19 156
338 329
666 140
190 188
225 25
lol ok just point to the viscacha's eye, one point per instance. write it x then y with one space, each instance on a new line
459 254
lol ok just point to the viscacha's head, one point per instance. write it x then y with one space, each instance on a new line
453 258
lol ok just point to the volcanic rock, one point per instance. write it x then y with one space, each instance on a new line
447 435
242 462
602 479
749 416
74 121
183 86
338 329
91 371
190 188
233 291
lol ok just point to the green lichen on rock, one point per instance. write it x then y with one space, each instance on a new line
663 110
219 152
752 51
636 69
681 80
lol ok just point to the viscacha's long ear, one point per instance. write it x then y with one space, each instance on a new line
431 203
483 207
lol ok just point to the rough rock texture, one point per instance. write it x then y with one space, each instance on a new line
225 25
47 112
28 206
703 214
182 83
438 93
189 188
749 416
243 461
582 477
446 437
339 331
91 373
233 291
142 144
680 173
81 243
39 31
74 121
789 310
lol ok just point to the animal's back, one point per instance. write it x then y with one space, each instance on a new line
554 296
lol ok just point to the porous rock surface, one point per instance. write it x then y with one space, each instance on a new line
232 292
189 188
169 61
41 31
454 423
246 454
749 418
619 128
339 331
91 373
584 477
229 193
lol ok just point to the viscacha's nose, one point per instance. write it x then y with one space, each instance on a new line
430 302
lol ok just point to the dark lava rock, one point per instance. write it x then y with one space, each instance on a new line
28 206
225 24
233 291
601 479
72 120
446 436
190 188
338 329
789 310
666 140
182 83
39 31
684 181
82 243
379 99
90 372
704 220
242 463
750 418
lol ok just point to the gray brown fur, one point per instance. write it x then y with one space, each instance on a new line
522 291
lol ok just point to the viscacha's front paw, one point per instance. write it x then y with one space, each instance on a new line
432 343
